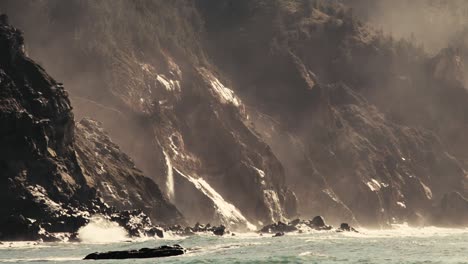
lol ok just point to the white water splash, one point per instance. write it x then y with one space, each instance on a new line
229 215
101 230
169 178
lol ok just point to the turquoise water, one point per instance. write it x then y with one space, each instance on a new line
405 245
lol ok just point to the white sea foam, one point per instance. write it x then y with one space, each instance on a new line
400 230
101 230
404 230
54 259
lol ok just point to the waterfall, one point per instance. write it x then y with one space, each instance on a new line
169 178
227 213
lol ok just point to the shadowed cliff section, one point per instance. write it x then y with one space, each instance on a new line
45 192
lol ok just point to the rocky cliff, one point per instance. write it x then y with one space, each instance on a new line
254 111
52 176
114 175
355 117
168 107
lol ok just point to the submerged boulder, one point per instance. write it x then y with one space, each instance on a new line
163 251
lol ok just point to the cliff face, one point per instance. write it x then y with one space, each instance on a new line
114 175
355 117
164 104
44 190
237 109
38 163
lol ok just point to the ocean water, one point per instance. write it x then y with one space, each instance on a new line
402 245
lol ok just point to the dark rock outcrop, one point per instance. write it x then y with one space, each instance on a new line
45 192
159 252
41 183
219 231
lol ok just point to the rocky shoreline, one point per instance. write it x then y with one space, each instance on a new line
137 225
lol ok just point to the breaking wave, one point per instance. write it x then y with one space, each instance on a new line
101 230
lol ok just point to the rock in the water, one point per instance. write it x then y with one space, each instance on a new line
279 234
163 251
278 227
346 227
219 231
198 228
318 223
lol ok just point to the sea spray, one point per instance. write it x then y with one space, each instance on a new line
101 230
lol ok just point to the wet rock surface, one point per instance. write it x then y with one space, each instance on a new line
159 252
